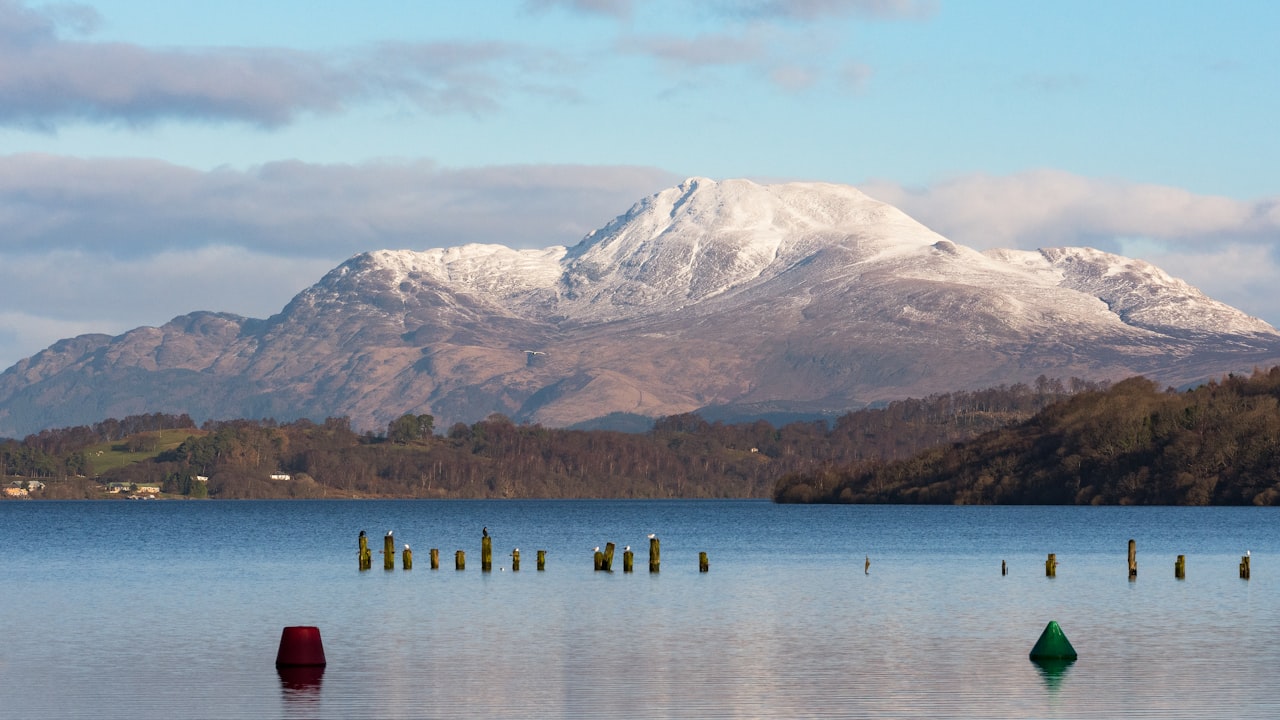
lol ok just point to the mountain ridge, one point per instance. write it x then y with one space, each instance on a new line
725 294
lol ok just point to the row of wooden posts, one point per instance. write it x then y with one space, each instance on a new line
1179 565
603 558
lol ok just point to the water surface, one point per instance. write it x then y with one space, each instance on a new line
175 609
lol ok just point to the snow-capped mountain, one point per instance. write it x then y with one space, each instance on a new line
802 297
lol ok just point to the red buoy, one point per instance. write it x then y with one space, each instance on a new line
300 645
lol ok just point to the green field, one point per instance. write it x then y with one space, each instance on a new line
111 455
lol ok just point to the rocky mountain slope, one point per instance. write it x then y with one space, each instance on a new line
802 297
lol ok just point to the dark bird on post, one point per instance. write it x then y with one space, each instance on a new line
484 531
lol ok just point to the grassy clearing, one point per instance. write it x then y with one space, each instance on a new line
111 455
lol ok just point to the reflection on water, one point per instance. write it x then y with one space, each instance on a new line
161 610
1052 671
300 689
300 681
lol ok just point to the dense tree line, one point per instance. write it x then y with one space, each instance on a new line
680 456
1130 444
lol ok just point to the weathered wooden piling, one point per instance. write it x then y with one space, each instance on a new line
1004 567
435 558
606 563
703 563
389 552
515 560
486 554
1244 567
542 559
460 560
866 566
1180 567
597 559
628 560
366 555
1133 559
406 558
1051 565
654 557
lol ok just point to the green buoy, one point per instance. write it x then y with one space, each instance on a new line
1053 644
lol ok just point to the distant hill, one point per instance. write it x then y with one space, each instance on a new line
780 301
677 456
1218 444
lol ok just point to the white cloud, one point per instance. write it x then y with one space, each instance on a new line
108 245
1049 207
47 80
131 207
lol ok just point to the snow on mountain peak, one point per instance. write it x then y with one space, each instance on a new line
703 237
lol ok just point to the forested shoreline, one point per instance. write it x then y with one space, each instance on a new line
1132 443
682 456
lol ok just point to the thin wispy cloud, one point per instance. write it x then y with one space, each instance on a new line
810 10
607 8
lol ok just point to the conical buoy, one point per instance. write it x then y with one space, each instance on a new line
300 645
1053 644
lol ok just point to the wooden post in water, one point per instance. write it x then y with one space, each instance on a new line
1004 568
389 552
460 560
607 563
1180 567
1051 565
515 560
366 555
1133 559
628 560
542 559
435 558
486 554
597 559
1244 567
703 564
654 558
407 557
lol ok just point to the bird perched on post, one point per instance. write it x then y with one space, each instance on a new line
484 532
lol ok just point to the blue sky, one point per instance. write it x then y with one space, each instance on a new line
160 158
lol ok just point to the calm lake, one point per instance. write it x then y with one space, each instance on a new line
156 609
